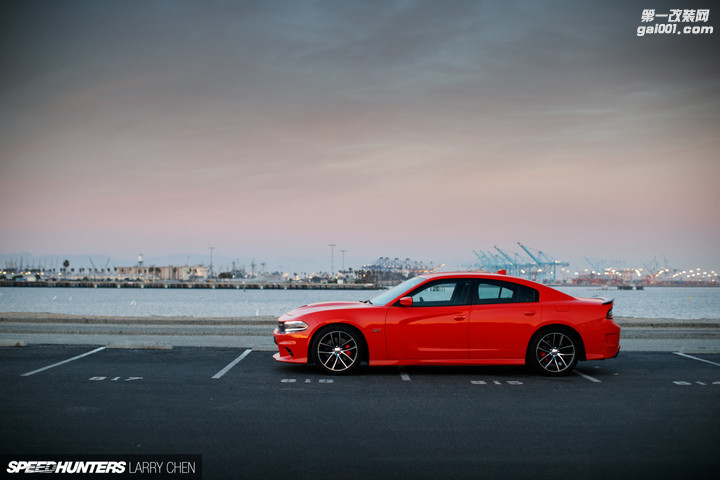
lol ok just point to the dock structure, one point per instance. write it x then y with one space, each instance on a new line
205 285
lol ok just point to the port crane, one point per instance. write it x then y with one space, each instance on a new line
539 267
547 266
514 264
387 264
94 269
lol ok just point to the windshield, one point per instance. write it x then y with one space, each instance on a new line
386 297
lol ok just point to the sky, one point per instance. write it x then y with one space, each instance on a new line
412 128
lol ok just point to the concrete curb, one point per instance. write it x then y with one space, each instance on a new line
18 329
60 318
32 317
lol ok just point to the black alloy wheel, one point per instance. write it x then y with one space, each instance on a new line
554 352
337 350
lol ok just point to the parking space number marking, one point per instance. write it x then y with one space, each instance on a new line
114 379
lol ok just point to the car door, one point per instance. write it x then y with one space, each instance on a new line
502 319
434 326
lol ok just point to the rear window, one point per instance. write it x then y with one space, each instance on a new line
504 292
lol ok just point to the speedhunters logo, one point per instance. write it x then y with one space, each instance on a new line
40 466
184 467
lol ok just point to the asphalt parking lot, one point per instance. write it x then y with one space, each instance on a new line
642 415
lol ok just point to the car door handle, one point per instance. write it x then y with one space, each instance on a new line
459 316
529 314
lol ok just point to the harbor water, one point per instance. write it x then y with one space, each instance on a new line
652 302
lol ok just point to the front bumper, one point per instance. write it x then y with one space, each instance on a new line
292 347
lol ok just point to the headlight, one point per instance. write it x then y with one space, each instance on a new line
292 326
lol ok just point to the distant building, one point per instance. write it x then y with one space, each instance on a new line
183 273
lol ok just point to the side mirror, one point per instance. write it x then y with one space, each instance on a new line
406 302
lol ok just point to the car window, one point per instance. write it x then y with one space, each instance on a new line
389 295
442 293
488 291
504 292
527 294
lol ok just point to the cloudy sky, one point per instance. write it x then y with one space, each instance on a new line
421 129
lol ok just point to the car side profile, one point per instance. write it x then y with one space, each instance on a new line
461 318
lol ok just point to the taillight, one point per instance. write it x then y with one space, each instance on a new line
610 314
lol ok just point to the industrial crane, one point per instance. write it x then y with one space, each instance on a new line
539 267
547 265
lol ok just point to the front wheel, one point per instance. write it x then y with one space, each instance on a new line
337 350
553 352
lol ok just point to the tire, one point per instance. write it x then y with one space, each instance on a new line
337 350
553 352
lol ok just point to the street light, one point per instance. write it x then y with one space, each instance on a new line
332 260
211 263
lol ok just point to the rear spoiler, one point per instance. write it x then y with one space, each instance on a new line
605 300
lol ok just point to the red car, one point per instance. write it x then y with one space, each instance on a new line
452 319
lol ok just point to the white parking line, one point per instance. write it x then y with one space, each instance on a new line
586 376
405 377
232 364
698 359
61 363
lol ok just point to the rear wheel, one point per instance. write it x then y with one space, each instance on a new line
337 350
554 351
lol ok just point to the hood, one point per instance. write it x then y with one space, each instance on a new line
325 306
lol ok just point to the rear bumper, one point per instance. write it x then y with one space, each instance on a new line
612 344
611 347
604 343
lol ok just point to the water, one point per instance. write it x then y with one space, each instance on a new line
683 303
659 302
150 302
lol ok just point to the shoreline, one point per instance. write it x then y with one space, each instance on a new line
132 284
65 318
252 285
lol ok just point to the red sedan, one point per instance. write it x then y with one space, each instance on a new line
452 319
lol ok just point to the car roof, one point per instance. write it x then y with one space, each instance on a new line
493 276
468 275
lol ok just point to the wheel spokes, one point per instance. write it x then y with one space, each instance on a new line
337 351
555 352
